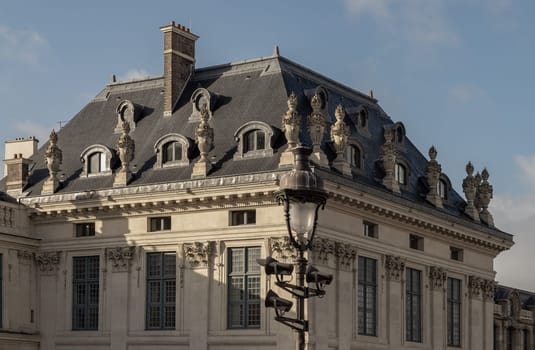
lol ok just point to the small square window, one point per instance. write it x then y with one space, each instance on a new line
85 229
456 254
161 223
370 229
242 217
416 242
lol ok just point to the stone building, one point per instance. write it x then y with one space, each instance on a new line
138 224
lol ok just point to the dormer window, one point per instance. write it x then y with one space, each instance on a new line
354 156
96 160
442 189
399 133
171 150
400 173
363 118
254 140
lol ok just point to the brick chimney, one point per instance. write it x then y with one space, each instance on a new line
179 62
16 173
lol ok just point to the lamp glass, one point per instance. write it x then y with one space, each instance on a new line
302 215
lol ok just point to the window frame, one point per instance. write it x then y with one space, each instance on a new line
105 161
366 225
244 130
367 284
246 217
246 274
159 150
417 240
454 312
162 278
458 251
402 180
91 231
351 152
163 219
413 298
88 283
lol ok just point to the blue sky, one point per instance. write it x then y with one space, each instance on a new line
457 73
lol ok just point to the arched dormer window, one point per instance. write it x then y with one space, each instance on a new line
96 160
254 140
354 155
129 112
201 98
399 133
363 118
359 117
443 187
171 150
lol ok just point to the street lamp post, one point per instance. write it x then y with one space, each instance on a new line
302 194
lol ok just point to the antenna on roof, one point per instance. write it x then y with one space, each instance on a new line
61 122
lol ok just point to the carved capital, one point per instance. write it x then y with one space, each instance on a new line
120 258
199 254
48 262
394 267
476 286
437 277
345 254
283 249
322 248
489 288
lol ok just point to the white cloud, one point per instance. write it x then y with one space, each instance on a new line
465 93
516 215
419 22
133 74
21 45
30 128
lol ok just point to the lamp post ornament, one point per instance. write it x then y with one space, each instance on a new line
302 194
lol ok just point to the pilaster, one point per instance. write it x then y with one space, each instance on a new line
394 267
437 280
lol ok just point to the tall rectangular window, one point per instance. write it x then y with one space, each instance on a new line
414 305
367 296
85 289
454 312
243 288
161 290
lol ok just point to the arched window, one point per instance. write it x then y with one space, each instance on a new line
400 172
254 140
354 156
363 118
96 160
171 150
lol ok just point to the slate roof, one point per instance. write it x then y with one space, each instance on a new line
254 90
526 298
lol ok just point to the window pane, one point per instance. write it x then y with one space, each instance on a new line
93 165
177 151
161 290
367 296
167 152
260 140
248 142
85 297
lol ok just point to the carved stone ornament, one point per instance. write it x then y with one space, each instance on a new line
470 185
317 123
48 262
204 137
283 249
199 254
394 267
489 288
322 248
7 216
345 254
388 157
24 256
432 173
437 277
53 158
484 195
127 112
475 286
340 133
120 258
126 148
291 122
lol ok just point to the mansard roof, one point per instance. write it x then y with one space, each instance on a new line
253 90
526 299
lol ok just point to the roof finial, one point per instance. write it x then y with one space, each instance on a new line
113 78
276 51
371 93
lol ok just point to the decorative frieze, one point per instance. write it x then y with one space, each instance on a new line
120 258
282 248
199 254
437 277
345 255
432 174
48 262
394 267
322 248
